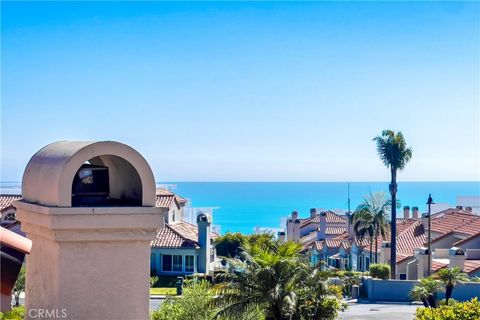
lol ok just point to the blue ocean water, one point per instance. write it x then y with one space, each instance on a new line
242 206
245 205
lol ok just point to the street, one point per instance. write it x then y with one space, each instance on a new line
361 311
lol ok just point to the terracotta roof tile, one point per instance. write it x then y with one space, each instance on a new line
6 200
178 234
437 265
332 217
471 266
165 198
335 230
456 220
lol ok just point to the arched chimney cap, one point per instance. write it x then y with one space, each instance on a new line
202 217
49 174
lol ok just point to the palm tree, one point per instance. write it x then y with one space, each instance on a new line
363 226
264 279
450 278
425 291
394 153
275 280
375 206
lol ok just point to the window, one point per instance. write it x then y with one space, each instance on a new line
189 264
367 263
360 260
166 262
177 263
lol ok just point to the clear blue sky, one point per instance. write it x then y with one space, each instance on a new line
246 91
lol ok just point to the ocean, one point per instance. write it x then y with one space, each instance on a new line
242 206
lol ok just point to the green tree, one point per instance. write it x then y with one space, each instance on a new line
19 286
274 278
394 153
450 278
363 226
425 291
229 244
194 304
374 209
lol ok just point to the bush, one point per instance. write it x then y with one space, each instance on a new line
469 310
17 313
380 271
194 304
153 281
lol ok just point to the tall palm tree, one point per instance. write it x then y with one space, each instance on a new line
394 153
375 207
450 278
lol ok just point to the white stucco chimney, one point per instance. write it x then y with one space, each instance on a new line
422 254
290 223
425 221
313 212
457 257
281 236
321 233
385 252
204 223
406 212
296 230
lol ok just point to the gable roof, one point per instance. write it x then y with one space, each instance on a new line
332 217
179 234
165 199
455 220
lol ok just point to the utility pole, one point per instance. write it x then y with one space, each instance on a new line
429 202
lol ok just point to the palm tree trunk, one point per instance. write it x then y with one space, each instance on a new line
376 245
393 236
448 293
371 244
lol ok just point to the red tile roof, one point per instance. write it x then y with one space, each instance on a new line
456 220
436 265
335 230
6 200
471 266
166 198
332 217
178 234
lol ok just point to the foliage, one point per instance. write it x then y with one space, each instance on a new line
274 279
153 281
425 291
450 278
379 271
17 313
231 244
371 219
193 304
469 310
19 286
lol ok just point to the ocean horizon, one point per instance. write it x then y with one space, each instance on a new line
243 206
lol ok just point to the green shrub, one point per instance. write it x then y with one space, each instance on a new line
380 271
17 313
469 310
153 281
194 304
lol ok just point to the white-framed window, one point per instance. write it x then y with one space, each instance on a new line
189 263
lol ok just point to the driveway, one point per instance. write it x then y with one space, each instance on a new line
361 311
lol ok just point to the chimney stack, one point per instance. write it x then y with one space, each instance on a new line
321 234
422 262
415 212
203 223
425 221
290 223
296 230
406 212
457 257
459 208
313 212
468 209
385 252
281 236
